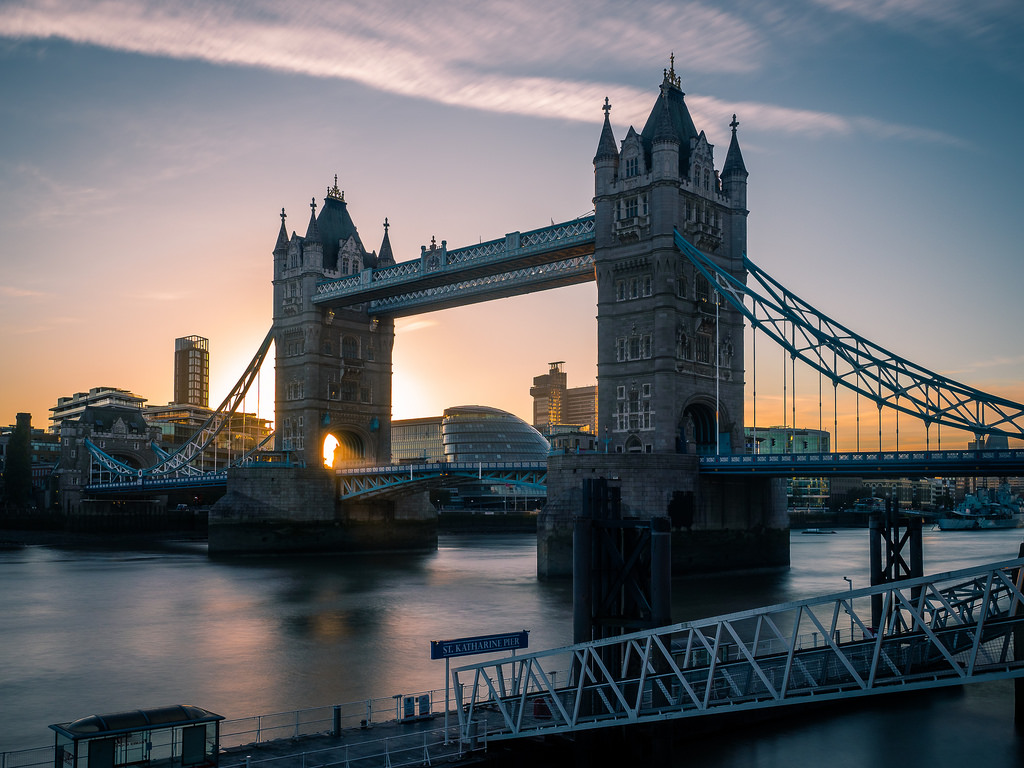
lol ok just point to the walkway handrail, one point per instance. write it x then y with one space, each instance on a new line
945 629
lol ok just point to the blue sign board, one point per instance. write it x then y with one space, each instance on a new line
466 646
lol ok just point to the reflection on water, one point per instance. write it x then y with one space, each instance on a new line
87 632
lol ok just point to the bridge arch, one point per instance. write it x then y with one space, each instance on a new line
696 430
342 446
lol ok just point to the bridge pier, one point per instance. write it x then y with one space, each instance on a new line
895 554
296 510
717 523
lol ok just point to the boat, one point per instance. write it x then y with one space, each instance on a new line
818 531
985 510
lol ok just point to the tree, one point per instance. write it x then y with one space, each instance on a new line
18 465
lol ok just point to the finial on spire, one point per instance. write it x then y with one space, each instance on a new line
671 78
734 124
283 217
386 225
607 106
313 206
334 192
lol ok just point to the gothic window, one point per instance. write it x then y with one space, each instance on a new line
634 288
696 176
682 344
630 208
643 205
682 286
620 392
620 349
634 347
703 289
648 285
620 290
703 348
350 347
707 178
632 166
349 391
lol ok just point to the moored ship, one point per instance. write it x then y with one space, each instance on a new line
985 510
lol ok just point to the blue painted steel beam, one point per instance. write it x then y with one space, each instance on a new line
876 464
521 262
851 361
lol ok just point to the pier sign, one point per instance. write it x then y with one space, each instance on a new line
466 646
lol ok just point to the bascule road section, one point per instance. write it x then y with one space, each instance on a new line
944 630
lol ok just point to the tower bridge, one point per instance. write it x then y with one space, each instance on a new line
666 246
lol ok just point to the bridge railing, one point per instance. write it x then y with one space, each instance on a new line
947 629
513 245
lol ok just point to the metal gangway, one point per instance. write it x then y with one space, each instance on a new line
949 629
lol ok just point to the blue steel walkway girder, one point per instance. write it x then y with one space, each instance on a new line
521 262
886 379
934 631
403 479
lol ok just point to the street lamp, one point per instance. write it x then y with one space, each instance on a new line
849 581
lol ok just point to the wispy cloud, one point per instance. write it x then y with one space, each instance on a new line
550 60
411 325
14 292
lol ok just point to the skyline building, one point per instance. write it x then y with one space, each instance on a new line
74 406
192 371
555 404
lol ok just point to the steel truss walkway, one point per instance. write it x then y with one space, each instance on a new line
521 262
367 482
961 627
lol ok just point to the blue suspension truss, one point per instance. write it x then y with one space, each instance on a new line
180 463
886 379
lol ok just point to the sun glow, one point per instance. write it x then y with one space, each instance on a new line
330 445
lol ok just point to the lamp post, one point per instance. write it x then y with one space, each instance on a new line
849 581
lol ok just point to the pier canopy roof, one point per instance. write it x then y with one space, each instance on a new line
126 738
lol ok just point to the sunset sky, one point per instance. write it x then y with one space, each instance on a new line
147 148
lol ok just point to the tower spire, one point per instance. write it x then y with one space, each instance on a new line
386 257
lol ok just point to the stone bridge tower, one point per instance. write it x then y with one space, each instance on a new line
670 352
333 367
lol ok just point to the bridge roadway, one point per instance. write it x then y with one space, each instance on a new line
396 479
948 629
984 463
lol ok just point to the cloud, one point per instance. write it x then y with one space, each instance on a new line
527 57
405 325
14 292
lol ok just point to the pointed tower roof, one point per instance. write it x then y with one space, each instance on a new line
680 123
282 236
335 225
664 130
606 149
312 233
734 158
386 257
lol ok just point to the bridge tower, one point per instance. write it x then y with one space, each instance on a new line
333 366
670 351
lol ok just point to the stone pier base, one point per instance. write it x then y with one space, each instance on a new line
292 510
718 524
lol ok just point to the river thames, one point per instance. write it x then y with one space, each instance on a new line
89 631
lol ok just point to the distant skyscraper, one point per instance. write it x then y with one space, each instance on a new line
192 371
556 404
